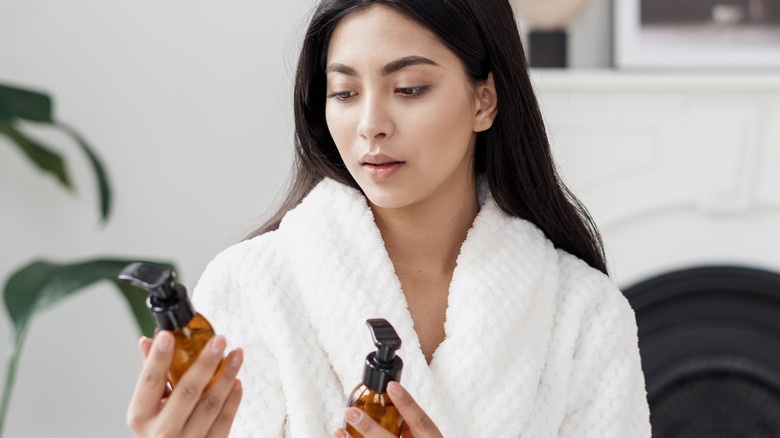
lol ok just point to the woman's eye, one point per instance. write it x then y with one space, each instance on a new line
411 91
341 95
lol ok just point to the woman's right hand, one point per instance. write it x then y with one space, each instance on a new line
187 411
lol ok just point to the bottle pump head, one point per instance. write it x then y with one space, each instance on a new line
168 301
383 365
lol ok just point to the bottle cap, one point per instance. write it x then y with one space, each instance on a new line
382 365
168 301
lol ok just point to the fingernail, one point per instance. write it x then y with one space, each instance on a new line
218 344
342 434
237 357
394 388
353 415
164 341
237 386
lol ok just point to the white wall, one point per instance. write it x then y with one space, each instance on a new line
590 37
188 104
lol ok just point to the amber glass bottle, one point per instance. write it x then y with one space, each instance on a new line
381 367
378 406
190 340
172 310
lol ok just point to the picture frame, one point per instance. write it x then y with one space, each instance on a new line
696 34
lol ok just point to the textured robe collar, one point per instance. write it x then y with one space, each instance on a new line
501 302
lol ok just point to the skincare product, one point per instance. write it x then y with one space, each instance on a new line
172 310
381 367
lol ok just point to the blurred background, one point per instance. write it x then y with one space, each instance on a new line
188 103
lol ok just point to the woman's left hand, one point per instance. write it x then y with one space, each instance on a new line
417 424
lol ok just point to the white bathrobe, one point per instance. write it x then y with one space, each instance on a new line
538 344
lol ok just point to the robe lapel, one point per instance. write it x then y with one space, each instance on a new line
498 325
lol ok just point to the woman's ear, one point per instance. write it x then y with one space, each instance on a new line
487 101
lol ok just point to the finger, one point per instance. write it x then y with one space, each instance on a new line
223 423
420 424
365 424
341 433
188 390
151 384
144 345
212 401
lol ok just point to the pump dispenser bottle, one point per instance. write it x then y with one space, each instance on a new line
172 310
381 367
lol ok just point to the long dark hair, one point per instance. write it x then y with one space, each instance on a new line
514 153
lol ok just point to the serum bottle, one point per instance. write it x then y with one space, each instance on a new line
172 310
381 367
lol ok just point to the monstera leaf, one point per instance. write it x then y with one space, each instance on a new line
21 104
42 284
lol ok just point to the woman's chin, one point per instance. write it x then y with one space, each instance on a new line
389 198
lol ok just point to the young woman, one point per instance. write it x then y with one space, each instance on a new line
424 194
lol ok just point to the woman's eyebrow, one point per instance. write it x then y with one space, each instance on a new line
394 66
389 68
340 68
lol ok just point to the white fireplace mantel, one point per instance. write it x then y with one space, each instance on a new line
678 170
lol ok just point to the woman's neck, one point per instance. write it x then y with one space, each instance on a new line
424 240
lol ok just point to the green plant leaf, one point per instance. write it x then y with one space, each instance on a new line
20 103
42 284
97 166
43 157
138 306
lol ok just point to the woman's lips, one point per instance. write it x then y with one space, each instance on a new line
382 171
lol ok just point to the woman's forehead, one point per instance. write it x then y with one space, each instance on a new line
382 34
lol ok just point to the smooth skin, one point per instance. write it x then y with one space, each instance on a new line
397 96
187 411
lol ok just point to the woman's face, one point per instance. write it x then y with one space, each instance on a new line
401 110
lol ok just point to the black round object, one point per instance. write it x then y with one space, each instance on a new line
174 313
377 374
709 339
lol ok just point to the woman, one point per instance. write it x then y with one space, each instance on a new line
424 194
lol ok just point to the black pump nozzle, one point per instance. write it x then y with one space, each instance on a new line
385 339
168 301
383 365
158 280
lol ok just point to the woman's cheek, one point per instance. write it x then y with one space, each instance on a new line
339 131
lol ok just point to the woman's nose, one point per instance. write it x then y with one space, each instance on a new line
375 121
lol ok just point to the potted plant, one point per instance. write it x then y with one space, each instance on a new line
41 284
